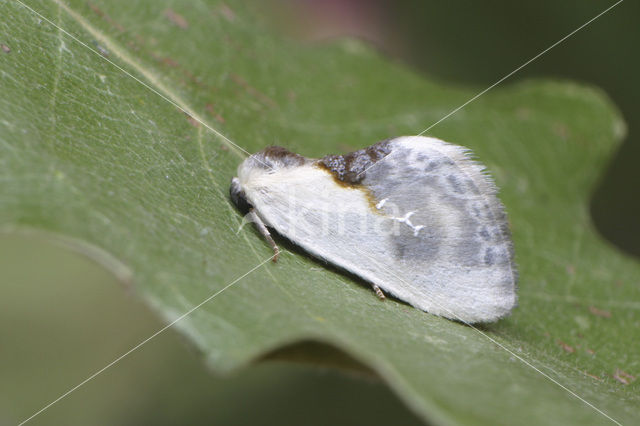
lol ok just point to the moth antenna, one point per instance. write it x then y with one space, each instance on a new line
260 226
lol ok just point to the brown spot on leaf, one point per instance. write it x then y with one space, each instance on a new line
599 312
168 62
227 12
253 91
176 18
623 377
138 43
5 48
567 348
195 123
106 17
571 270
172 63
132 44
591 351
211 110
592 376
561 130
523 113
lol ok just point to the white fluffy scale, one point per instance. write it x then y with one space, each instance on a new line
413 215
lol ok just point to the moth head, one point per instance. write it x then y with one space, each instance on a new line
267 161
238 196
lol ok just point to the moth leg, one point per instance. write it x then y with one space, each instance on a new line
378 292
260 226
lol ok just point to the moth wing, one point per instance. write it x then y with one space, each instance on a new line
424 225
460 260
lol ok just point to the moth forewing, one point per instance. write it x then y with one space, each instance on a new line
414 216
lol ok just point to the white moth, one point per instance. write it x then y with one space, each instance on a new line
414 216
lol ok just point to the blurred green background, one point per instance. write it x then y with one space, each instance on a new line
62 317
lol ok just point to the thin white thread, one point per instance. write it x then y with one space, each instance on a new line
505 77
115 361
190 114
458 109
521 66
262 263
527 363
147 86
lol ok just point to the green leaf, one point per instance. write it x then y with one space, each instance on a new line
95 146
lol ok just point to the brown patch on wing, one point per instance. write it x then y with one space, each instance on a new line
276 157
371 199
283 155
350 169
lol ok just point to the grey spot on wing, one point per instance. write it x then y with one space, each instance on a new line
472 186
412 190
458 221
455 183
484 233
431 166
489 256
468 249
424 246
